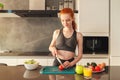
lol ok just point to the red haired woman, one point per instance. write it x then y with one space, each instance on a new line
66 39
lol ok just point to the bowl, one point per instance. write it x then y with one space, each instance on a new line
31 66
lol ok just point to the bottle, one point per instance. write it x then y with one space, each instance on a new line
61 6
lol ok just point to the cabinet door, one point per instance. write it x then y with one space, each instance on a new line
94 16
114 61
37 4
50 62
115 28
9 62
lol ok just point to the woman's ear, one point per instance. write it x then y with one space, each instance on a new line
73 18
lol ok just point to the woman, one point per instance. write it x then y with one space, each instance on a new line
64 40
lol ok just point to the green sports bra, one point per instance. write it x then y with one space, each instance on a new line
68 44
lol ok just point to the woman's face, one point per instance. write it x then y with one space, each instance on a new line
66 20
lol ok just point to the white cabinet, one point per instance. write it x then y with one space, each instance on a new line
47 61
94 16
50 61
114 32
85 61
114 61
37 4
43 62
115 28
9 62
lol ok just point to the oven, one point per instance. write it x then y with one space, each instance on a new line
95 45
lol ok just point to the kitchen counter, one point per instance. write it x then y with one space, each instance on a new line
20 73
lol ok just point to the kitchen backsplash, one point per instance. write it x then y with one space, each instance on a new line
15 4
27 34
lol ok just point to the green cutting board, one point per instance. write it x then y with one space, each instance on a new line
55 70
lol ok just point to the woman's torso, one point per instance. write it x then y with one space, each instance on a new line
66 46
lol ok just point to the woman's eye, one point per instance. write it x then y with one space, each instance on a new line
68 20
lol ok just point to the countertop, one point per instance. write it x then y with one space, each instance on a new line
20 73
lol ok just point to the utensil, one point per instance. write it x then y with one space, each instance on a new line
59 60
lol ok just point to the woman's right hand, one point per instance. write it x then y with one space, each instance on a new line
54 51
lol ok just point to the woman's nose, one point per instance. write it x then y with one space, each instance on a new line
65 22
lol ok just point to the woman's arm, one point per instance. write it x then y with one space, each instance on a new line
80 48
52 47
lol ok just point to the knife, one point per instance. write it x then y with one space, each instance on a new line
59 60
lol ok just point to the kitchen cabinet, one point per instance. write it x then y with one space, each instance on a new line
36 4
37 8
10 62
59 4
46 60
114 32
94 17
99 60
50 61
114 61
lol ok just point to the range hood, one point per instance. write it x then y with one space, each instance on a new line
33 13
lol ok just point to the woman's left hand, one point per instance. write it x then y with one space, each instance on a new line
67 64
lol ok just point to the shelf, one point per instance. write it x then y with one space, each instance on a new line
8 15
32 13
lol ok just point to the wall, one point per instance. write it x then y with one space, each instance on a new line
27 34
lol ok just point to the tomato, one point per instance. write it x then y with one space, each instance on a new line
97 68
61 67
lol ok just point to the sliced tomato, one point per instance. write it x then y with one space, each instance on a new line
61 67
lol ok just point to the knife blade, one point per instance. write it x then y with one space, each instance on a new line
59 60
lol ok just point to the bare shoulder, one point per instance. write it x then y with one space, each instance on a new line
56 32
79 35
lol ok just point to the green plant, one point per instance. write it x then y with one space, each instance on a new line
1 5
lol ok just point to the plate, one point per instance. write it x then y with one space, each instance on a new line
99 71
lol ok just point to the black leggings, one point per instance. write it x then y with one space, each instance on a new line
56 63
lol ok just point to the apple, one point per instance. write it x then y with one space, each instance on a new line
30 61
103 64
79 69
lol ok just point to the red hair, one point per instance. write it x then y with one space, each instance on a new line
69 11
